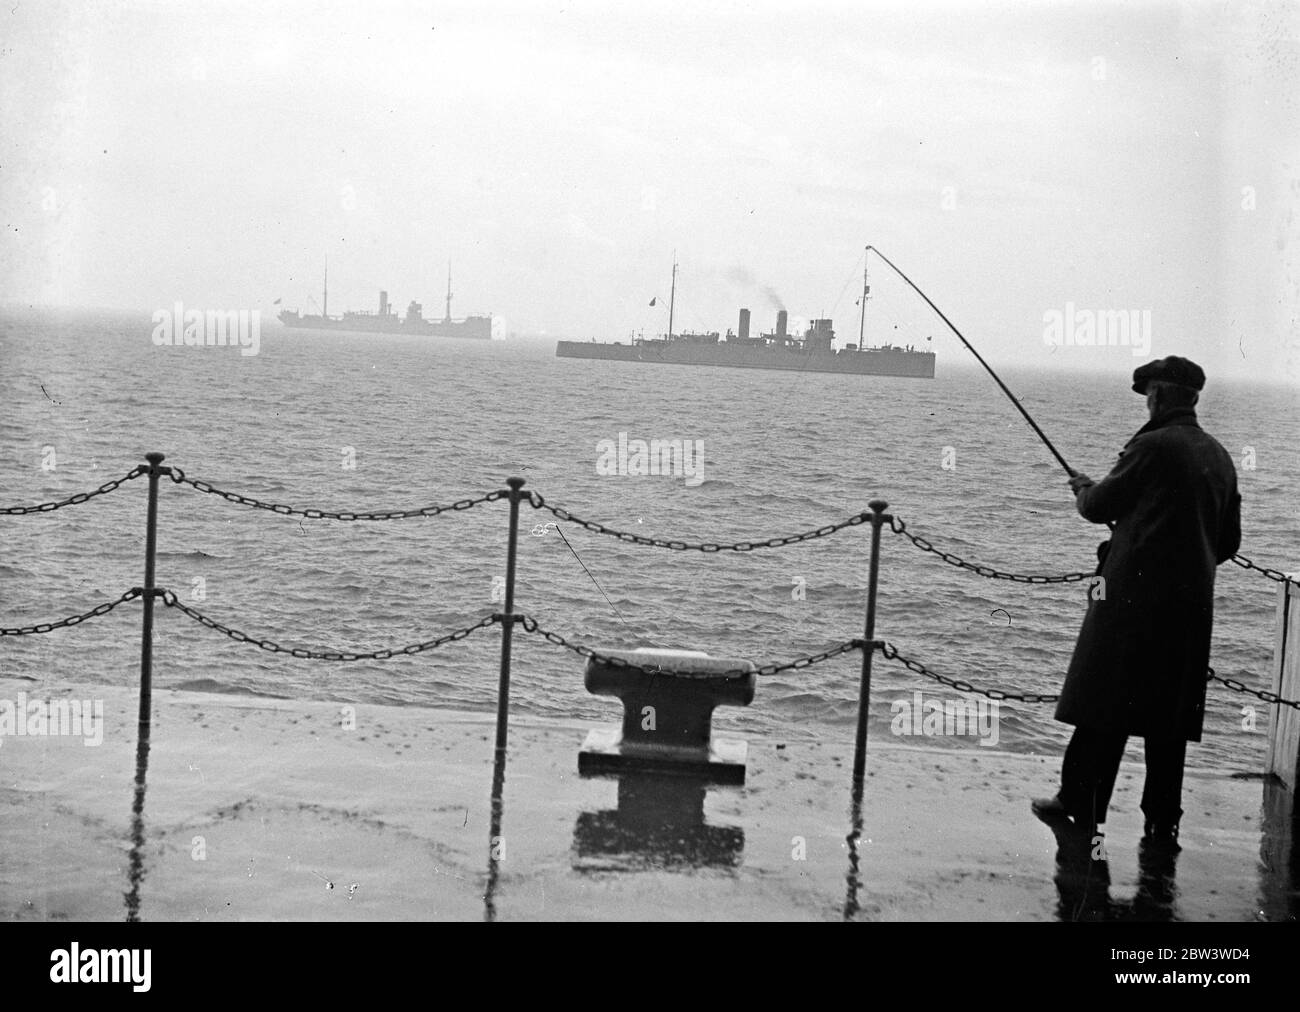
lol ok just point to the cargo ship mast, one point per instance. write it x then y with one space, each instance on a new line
325 295
447 318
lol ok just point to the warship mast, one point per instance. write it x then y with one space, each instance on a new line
672 297
866 294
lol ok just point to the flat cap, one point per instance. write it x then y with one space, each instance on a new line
1173 369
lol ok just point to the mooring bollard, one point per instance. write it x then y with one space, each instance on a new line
150 549
878 518
668 701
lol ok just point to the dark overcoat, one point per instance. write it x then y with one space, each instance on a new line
1139 666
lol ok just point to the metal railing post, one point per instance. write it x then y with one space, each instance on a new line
135 875
878 518
508 624
496 843
150 549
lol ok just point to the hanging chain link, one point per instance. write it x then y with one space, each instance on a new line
178 476
271 646
1264 694
530 625
102 609
707 546
80 497
1272 574
897 525
890 652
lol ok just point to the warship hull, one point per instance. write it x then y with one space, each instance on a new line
731 355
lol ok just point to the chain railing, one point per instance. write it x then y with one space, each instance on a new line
887 649
1272 574
890 652
622 663
171 601
529 624
898 526
71 620
80 497
178 476
1264 694
700 546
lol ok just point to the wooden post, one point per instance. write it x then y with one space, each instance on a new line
1284 728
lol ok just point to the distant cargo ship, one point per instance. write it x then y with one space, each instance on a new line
813 351
386 321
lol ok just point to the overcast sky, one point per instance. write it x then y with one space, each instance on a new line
1012 159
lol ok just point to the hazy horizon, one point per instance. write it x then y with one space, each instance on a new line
1014 160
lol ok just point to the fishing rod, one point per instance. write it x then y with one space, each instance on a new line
1010 396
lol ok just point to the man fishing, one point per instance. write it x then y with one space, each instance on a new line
1139 666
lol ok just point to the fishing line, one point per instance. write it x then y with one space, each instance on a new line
803 369
588 572
1010 396
840 298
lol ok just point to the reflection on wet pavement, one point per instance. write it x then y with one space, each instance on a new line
854 841
496 842
135 873
1279 861
659 823
1083 881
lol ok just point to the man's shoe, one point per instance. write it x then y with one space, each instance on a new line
1051 810
1161 835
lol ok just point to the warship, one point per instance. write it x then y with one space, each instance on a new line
813 351
387 321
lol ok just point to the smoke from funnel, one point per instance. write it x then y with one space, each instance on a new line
772 297
744 277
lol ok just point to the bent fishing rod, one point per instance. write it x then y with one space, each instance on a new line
951 326
1010 396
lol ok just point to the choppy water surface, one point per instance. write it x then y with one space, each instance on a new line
431 421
